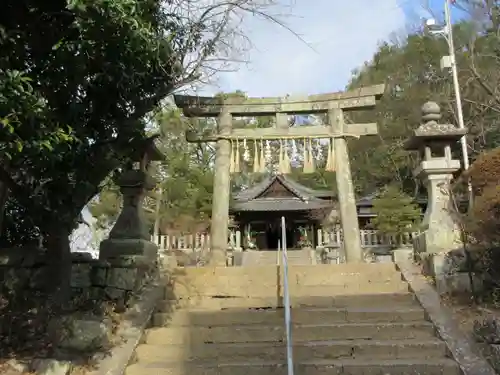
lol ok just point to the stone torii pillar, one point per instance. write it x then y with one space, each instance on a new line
334 105
219 227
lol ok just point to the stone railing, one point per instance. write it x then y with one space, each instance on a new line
193 242
369 238
201 241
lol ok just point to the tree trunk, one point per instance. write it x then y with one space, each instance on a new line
4 194
59 258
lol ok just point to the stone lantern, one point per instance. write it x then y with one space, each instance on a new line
434 141
130 235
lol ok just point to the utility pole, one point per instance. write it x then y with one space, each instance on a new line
451 62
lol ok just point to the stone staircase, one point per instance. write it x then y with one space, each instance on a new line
347 319
268 258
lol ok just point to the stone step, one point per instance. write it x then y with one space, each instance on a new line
274 273
320 271
360 349
265 280
276 316
215 304
298 291
408 366
295 290
257 273
353 279
365 299
300 333
381 299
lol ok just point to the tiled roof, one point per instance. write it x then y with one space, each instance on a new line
281 204
301 191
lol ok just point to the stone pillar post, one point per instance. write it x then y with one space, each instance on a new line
222 194
345 189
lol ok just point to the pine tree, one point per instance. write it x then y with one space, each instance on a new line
397 213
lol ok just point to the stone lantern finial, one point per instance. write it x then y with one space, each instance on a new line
431 112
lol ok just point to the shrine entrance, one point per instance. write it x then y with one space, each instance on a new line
272 236
230 141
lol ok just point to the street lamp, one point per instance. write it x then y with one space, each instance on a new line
450 62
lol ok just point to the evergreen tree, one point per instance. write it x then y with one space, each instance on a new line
397 213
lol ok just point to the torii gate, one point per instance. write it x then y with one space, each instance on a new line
333 104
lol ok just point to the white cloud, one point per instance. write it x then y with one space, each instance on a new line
341 35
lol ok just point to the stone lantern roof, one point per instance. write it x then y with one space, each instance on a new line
431 131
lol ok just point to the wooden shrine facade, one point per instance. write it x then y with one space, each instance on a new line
258 210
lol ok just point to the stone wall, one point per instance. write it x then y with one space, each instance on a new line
452 271
117 279
101 291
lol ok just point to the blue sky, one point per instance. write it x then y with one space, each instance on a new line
340 36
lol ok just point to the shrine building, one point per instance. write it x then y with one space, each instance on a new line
257 211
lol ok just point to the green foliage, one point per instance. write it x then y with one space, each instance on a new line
77 79
21 107
319 180
81 77
186 177
396 212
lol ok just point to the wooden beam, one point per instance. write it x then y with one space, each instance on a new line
364 97
299 132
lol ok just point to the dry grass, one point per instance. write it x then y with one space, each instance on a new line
466 311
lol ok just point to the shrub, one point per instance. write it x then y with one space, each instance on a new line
485 171
483 222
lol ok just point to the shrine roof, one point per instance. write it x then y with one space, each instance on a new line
298 189
298 197
282 204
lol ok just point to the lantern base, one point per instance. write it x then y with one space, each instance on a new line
115 248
